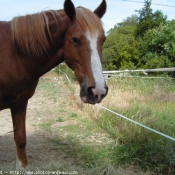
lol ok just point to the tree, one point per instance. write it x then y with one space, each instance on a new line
144 42
119 50
157 47
148 20
129 21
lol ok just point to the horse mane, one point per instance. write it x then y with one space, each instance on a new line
30 33
86 19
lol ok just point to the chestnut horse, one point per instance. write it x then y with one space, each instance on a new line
32 45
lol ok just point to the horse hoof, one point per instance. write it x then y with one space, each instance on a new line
19 165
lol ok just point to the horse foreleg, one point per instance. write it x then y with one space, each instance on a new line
18 118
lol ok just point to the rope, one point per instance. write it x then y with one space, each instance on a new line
126 118
137 123
64 74
141 70
125 76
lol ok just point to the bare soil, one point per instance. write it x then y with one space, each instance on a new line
40 150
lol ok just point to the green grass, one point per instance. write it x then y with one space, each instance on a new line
136 145
100 139
85 155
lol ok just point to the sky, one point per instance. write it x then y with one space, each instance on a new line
117 10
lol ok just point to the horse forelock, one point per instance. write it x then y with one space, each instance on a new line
30 33
87 20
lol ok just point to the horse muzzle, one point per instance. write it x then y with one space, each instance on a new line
93 95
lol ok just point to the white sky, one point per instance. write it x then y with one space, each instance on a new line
117 10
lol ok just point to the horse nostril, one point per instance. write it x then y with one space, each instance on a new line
91 96
102 96
96 97
89 91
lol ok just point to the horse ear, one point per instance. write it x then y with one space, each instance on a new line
69 9
101 9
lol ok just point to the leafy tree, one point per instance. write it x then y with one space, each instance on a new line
157 48
119 51
129 21
147 41
148 20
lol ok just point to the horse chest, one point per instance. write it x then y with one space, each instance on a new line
12 97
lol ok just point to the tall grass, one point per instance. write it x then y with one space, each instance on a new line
100 142
150 102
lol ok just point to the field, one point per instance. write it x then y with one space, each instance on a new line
66 135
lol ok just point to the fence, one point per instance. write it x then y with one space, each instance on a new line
107 73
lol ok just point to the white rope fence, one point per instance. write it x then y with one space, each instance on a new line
124 73
137 123
124 117
131 76
141 70
59 68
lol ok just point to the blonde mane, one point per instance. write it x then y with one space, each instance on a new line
29 32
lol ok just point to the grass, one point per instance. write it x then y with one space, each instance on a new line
155 108
100 142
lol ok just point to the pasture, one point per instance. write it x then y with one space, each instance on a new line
67 136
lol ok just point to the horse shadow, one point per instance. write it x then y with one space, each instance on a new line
40 151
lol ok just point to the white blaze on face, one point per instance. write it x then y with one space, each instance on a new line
95 62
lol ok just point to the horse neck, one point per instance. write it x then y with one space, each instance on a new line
58 28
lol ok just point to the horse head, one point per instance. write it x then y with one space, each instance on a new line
83 50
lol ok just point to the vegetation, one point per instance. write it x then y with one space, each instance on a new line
143 41
151 102
157 48
99 142
119 51
148 20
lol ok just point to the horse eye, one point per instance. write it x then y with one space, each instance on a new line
76 41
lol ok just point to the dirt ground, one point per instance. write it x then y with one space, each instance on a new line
40 151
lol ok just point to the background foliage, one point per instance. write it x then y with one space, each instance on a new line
146 40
